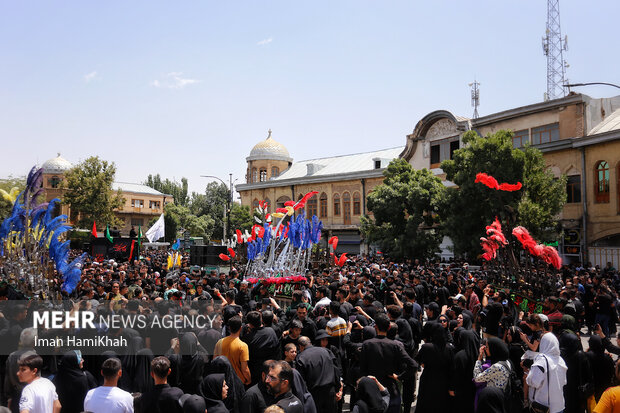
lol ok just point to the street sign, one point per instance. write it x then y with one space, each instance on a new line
572 237
572 250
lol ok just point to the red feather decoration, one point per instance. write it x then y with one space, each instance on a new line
487 180
287 203
333 241
224 257
342 259
282 210
231 252
261 232
551 256
302 202
510 187
239 237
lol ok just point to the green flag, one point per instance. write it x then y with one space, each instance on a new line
107 233
552 244
139 237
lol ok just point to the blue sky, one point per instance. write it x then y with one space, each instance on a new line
187 88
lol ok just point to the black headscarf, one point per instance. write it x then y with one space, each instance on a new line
498 349
438 335
467 320
134 366
194 404
469 342
211 391
596 345
72 383
189 364
491 400
434 307
368 333
236 390
369 398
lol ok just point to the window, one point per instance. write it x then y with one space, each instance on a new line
546 134
573 189
337 205
520 138
137 203
311 207
275 171
268 205
263 175
378 164
323 205
154 204
346 208
602 182
357 205
442 150
136 222
54 182
435 150
280 201
254 175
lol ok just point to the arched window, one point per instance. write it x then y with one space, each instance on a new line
602 182
280 201
263 175
54 182
346 208
311 206
357 204
254 175
275 171
268 205
254 204
337 205
323 205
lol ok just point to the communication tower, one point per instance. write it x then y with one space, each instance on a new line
553 46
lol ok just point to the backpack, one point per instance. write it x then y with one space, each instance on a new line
514 390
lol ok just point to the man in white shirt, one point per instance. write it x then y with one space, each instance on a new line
109 398
39 396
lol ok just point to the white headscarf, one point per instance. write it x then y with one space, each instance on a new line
552 391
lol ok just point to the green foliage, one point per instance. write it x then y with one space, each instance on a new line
212 203
178 218
406 212
168 187
90 194
240 218
7 185
471 206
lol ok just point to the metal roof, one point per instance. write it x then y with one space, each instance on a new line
610 124
337 165
135 188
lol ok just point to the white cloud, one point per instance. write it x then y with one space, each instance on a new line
174 80
265 42
90 76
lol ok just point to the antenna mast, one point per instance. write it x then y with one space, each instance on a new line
553 47
475 97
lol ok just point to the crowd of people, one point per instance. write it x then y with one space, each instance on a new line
386 336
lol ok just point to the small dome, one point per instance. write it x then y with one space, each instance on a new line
269 149
57 165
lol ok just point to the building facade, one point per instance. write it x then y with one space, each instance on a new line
579 137
142 203
342 183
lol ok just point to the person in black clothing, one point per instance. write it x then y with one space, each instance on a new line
384 358
436 357
132 232
317 366
262 344
602 364
257 398
72 383
308 328
467 344
162 398
192 403
214 390
279 383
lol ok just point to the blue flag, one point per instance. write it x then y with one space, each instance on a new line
177 244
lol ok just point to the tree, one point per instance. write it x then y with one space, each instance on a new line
90 194
7 185
178 218
240 218
471 206
168 187
405 209
212 203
